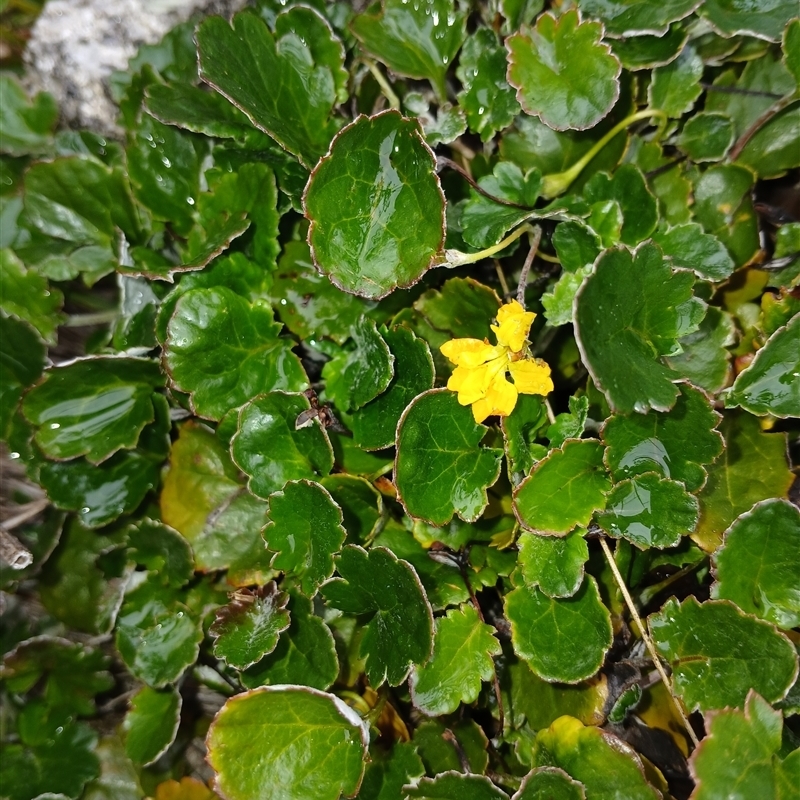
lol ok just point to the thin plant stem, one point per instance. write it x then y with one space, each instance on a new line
501 276
535 238
771 112
388 92
443 161
648 642
551 417
96 318
559 182
455 258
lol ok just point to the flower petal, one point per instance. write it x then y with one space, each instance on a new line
500 399
514 323
470 352
531 376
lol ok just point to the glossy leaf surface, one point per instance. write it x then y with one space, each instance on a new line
562 72
756 567
678 444
771 384
564 489
271 450
562 640
225 351
463 647
245 60
151 723
249 626
418 40
549 783
621 339
400 629
433 484
689 247
376 207
630 17
732 17
718 653
452 785
263 734
305 531
93 407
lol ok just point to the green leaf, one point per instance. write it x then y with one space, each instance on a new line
454 785
359 375
361 504
305 531
628 187
734 17
674 88
676 444
771 383
271 450
399 633
718 654
606 766
561 639
101 493
629 18
196 110
417 40
376 207
723 207
689 248
27 296
463 307
259 742
648 51
441 468
705 359
753 467
440 753
375 423
308 304
164 165
441 126
463 647
22 361
553 563
26 125
520 429
248 628
569 425
706 136
387 773
562 72
549 783
564 489
57 768
158 636
151 723
756 565
225 351
484 221
69 675
244 61
488 101
93 407
576 245
740 754
631 311
649 511
541 703
771 150
204 498
791 48
305 654
161 550
84 579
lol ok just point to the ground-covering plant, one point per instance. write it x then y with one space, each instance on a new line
409 402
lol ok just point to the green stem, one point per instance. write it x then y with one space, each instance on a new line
84 320
554 185
388 92
455 258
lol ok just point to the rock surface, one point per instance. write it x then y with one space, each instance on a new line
77 44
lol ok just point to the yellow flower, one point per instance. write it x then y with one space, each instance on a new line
480 373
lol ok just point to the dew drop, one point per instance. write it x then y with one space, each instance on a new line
13 455
180 614
445 59
190 200
283 302
166 162
85 510
60 729
54 426
481 110
159 179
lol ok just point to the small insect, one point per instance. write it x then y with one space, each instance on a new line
321 413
